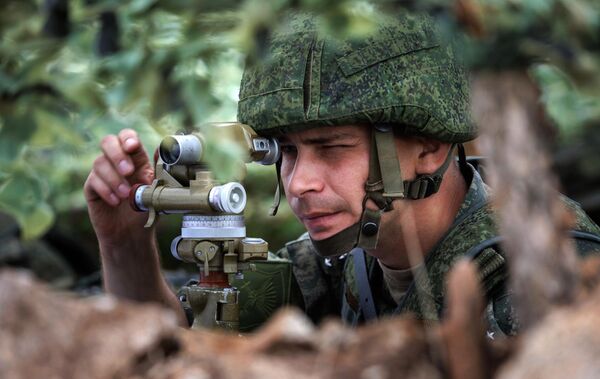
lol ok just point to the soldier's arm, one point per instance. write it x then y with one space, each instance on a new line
132 271
129 252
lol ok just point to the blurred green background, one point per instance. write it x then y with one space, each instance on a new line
73 71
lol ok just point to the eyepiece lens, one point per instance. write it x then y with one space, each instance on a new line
169 150
236 196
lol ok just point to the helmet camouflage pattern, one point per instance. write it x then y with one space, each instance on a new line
403 74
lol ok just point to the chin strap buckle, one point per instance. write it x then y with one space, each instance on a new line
369 229
426 185
422 187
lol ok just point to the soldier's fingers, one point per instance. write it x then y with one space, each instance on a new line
112 149
142 176
116 182
95 188
129 140
133 146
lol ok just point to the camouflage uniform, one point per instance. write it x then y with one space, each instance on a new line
404 75
327 286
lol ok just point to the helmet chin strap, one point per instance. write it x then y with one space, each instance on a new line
383 186
277 196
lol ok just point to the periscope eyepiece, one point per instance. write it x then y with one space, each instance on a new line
181 149
228 198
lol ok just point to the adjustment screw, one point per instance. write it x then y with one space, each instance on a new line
370 229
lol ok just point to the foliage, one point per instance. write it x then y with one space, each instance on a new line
74 71
570 109
167 70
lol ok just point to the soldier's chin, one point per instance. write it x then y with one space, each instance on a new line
326 227
320 235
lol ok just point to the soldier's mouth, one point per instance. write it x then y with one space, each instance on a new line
319 221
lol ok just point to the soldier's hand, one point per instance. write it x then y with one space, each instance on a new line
123 162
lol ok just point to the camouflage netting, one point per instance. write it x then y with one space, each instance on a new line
52 335
45 334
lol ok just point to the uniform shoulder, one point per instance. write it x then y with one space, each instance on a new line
302 244
582 221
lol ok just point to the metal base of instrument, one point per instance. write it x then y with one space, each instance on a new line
214 304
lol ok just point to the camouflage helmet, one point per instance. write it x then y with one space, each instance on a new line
403 74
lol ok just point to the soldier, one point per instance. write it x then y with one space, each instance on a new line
368 129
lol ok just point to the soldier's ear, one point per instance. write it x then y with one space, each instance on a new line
431 155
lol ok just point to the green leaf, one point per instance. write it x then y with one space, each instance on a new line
140 6
34 224
23 197
567 107
15 133
54 130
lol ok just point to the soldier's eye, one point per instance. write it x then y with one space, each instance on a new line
336 146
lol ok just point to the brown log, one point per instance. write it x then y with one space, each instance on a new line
532 218
463 330
44 334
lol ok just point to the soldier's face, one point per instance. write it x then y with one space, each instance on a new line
323 172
